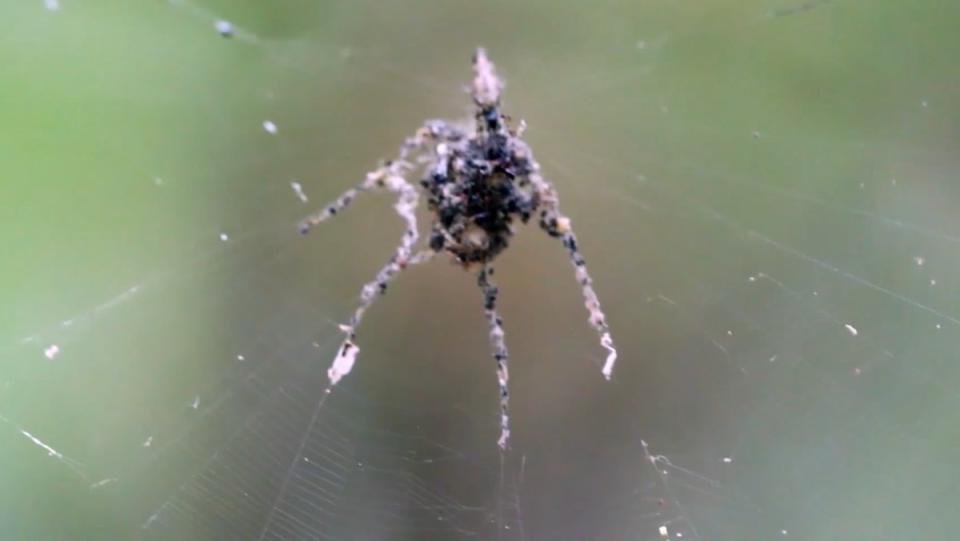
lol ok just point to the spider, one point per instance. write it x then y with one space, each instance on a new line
478 182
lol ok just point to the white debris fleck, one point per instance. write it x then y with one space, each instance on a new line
270 127
939 326
196 402
933 282
224 28
851 329
52 5
298 190
783 532
816 293
752 278
224 237
51 351
343 363
919 260
727 460
664 533
679 535
773 359
103 482
241 358
729 333
148 442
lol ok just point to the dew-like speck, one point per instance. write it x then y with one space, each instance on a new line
224 28
298 190
52 351
851 329
224 237
270 127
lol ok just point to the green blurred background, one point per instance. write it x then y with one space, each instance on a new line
766 194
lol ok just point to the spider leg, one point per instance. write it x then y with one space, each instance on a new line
407 200
379 177
499 346
557 225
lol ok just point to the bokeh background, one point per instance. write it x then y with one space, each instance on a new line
765 191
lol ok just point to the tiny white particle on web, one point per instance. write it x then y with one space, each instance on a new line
270 127
816 293
51 351
52 5
103 482
66 322
664 533
224 28
148 442
241 358
851 329
933 282
919 260
939 326
783 532
196 402
298 190
773 359
752 278
727 460
729 333
224 237
679 535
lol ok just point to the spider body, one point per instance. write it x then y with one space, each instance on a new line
478 185
477 190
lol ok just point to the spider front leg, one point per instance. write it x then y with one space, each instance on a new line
558 225
407 200
499 346
376 178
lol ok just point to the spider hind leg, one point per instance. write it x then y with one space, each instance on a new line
500 353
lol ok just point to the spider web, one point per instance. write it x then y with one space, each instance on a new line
763 191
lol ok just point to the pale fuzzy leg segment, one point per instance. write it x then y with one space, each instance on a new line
590 300
556 224
406 205
500 354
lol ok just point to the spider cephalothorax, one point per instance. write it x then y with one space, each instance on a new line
478 185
